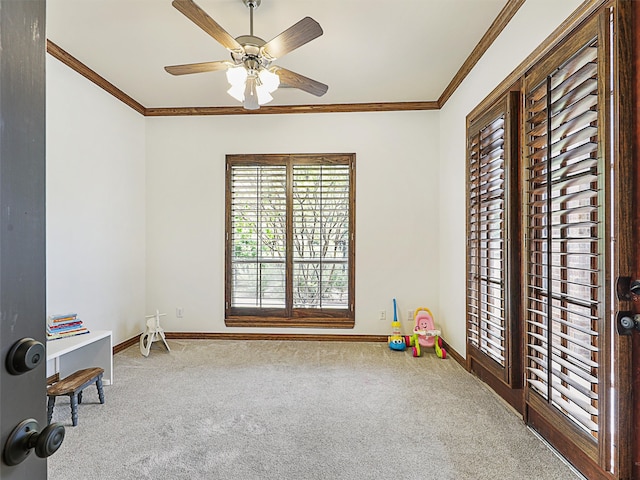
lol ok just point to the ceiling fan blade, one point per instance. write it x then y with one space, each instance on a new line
295 80
293 37
198 16
198 67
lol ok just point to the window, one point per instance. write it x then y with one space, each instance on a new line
289 240
492 159
574 243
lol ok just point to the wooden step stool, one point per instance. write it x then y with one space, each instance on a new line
72 386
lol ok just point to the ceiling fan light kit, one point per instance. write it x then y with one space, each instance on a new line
249 86
250 74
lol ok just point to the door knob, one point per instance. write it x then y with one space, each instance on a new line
26 437
25 355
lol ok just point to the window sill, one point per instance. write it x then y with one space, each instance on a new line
276 322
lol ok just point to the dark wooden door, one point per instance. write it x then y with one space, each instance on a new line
579 225
22 218
493 320
635 261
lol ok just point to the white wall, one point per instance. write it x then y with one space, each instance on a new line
515 43
95 205
396 209
410 199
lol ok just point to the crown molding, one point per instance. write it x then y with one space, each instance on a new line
289 109
74 64
579 15
503 18
494 30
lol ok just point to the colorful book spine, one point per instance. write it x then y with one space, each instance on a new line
65 335
62 318
64 325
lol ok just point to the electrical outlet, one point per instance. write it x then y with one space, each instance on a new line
409 315
179 312
383 314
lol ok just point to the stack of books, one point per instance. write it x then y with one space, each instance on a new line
63 326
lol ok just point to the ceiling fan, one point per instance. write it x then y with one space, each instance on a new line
250 73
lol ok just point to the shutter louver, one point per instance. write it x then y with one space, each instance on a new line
564 244
258 230
320 236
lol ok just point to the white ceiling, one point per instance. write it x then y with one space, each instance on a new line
371 51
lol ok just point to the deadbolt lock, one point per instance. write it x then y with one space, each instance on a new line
25 355
627 289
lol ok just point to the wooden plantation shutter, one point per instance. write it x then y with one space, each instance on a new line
321 236
566 254
258 235
492 328
290 236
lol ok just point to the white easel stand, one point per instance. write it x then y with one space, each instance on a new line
153 333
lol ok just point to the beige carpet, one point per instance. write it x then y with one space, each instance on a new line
296 410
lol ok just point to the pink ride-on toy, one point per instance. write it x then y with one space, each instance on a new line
425 334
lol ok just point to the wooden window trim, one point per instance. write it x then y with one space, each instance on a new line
290 317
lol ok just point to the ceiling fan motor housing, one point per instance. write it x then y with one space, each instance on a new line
252 58
251 43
